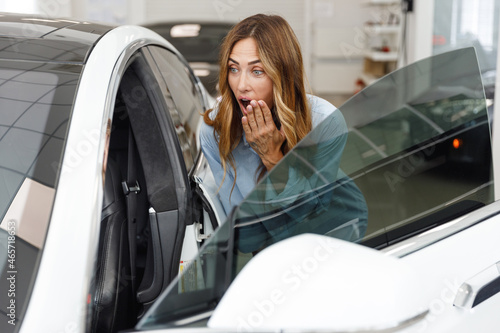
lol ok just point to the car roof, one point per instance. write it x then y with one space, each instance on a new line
38 38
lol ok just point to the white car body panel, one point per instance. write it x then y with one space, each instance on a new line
323 294
461 263
79 215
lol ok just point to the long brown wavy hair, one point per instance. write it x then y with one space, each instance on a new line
281 57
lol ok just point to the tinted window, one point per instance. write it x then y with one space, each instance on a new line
417 154
187 109
35 106
421 155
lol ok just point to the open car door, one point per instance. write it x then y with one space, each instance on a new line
152 208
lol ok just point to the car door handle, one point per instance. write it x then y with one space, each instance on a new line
479 288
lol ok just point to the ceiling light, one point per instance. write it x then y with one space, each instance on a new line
185 30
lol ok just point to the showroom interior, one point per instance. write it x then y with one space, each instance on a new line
415 157
346 44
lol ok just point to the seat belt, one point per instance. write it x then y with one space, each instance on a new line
131 189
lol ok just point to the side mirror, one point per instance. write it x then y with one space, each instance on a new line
316 282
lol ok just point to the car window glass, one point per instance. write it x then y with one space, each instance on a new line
183 91
423 150
35 106
415 153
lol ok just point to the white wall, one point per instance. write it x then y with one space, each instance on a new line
337 44
46 8
27 6
420 26
496 129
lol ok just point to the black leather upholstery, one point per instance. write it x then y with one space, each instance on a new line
113 295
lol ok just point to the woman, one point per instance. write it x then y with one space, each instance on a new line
263 111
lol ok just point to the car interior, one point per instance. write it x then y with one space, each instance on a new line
146 202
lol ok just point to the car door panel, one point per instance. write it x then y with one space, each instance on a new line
165 174
144 144
469 257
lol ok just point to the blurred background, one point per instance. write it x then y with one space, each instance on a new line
347 44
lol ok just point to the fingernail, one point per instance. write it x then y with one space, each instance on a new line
253 103
261 103
249 108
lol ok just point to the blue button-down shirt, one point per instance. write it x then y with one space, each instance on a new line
246 160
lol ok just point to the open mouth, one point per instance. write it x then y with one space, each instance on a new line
245 102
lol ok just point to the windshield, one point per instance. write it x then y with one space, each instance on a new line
416 154
35 104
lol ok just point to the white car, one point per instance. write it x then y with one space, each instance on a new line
390 226
99 249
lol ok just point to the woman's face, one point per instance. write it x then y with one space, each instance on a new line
246 76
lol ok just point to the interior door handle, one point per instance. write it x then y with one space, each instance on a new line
153 289
479 288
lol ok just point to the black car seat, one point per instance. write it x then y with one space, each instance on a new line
113 294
